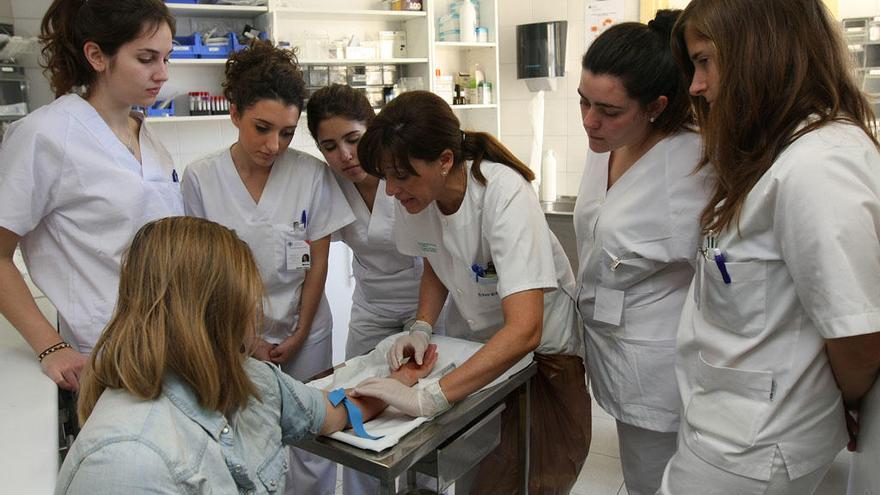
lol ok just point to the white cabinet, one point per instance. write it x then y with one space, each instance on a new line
313 25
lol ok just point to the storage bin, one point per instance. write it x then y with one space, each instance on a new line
187 46
373 75
318 76
389 74
217 50
338 74
181 1
154 111
357 75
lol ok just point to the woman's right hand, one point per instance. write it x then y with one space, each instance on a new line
64 367
414 344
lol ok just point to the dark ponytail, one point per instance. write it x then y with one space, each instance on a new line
641 57
69 24
421 125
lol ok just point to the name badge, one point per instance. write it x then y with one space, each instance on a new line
298 255
487 286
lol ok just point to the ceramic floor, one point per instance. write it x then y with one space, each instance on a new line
601 474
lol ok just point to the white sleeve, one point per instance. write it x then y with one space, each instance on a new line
828 226
688 192
192 194
518 236
329 210
31 166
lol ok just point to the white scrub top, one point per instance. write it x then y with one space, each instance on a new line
501 223
77 196
386 282
804 267
636 246
298 182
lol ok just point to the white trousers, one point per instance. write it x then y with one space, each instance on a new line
643 455
687 473
310 474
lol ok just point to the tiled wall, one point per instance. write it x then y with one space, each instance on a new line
563 131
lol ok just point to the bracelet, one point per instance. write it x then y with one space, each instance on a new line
51 349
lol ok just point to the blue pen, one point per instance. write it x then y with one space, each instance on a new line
722 266
478 272
303 218
174 175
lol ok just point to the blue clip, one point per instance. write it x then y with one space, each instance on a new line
354 414
303 219
722 266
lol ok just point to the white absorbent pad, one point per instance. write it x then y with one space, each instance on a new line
392 424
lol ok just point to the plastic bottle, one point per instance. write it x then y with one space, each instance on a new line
548 176
468 22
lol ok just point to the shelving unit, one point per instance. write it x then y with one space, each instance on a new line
300 24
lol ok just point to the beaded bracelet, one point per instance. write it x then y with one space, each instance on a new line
50 350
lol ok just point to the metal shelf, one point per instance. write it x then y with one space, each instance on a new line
465 44
203 10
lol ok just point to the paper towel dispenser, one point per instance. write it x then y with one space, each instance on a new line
540 53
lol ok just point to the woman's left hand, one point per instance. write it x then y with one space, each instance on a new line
286 350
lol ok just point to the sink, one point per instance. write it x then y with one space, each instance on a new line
560 214
564 205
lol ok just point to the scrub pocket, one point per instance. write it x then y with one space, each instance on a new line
653 368
739 306
729 404
271 473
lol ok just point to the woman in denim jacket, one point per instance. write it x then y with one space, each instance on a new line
171 402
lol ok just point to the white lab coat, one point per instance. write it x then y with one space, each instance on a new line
863 476
77 196
386 292
500 222
298 182
804 267
636 247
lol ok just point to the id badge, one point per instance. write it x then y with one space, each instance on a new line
608 306
487 286
298 255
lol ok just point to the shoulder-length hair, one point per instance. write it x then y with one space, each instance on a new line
784 71
189 302
420 124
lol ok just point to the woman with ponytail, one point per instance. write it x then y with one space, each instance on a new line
637 226
465 204
80 176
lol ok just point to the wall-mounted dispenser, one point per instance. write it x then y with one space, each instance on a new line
540 54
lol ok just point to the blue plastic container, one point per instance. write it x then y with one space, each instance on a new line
181 1
187 46
153 111
218 50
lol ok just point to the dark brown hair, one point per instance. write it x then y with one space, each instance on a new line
69 24
337 100
421 125
264 72
779 63
639 55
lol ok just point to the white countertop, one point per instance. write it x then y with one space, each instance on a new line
28 419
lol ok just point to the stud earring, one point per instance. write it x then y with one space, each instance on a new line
652 119
443 173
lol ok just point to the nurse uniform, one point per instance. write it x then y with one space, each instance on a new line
636 244
272 228
386 292
762 411
502 223
76 195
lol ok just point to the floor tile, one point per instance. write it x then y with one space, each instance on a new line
601 475
605 438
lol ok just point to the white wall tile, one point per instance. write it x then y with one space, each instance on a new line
33 9
574 123
576 157
520 146
513 12
514 89
549 10
554 117
507 45
199 138
515 118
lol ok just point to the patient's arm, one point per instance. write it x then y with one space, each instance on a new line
408 374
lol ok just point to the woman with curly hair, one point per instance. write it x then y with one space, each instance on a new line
79 176
285 204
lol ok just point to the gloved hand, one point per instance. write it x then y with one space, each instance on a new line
412 345
426 402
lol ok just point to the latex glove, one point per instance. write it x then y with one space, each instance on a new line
426 402
414 345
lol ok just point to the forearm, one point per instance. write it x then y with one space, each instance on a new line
521 334
370 407
432 296
18 306
855 362
313 285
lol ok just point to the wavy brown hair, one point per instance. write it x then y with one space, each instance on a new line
780 63
69 24
189 302
421 125
264 72
337 100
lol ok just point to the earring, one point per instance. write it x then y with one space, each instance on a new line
443 173
652 119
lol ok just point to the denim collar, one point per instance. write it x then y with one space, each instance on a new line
184 398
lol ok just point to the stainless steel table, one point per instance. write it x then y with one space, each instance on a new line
431 438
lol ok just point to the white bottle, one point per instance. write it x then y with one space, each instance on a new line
548 176
468 22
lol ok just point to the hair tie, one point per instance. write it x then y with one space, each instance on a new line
463 137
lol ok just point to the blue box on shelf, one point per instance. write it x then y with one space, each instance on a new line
187 46
238 46
156 111
181 1
217 50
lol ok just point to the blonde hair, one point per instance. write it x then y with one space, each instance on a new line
780 63
189 302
